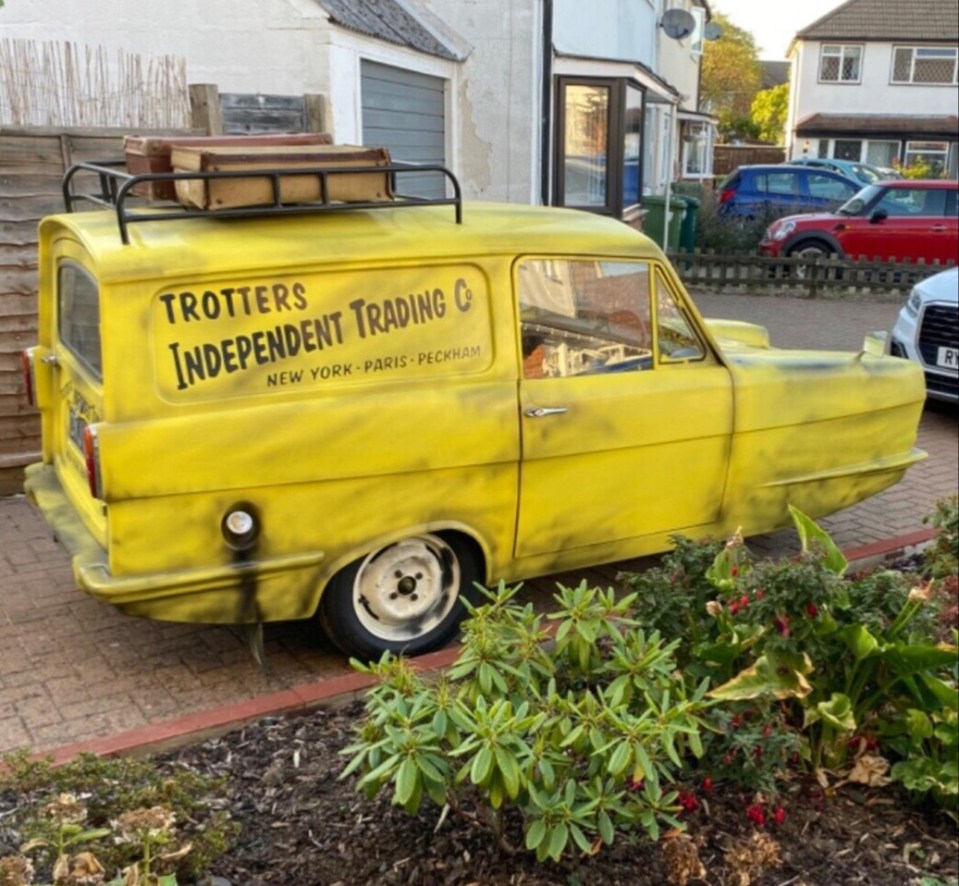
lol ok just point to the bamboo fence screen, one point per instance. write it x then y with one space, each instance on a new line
45 83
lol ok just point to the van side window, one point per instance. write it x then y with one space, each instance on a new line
675 333
582 317
78 315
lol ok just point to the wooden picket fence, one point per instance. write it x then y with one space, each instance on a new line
823 277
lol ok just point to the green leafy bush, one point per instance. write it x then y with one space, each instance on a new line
571 738
834 658
941 557
729 235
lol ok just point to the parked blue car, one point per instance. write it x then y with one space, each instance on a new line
769 191
863 173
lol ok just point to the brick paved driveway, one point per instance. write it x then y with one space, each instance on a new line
72 669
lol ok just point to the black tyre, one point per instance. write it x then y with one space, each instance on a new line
406 597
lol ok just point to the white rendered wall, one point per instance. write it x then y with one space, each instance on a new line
498 96
873 95
287 47
269 46
624 30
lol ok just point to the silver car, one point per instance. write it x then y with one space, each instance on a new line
927 331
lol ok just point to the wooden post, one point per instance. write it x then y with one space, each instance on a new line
316 113
205 110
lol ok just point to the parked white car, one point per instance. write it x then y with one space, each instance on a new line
927 331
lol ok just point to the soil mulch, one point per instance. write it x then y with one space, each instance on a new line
303 826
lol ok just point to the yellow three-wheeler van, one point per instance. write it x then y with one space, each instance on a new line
359 412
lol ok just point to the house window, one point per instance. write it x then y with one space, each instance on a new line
847 149
934 65
697 37
632 147
875 153
599 145
586 146
697 155
884 154
931 154
840 63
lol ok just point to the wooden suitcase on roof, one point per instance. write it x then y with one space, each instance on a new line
145 154
228 193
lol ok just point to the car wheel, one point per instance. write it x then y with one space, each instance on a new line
814 251
404 598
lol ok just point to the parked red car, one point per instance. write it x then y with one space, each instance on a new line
887 220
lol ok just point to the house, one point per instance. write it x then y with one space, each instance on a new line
876 81
531 101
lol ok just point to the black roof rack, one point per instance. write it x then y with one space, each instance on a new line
116 185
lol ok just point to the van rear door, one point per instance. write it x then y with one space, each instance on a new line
77 385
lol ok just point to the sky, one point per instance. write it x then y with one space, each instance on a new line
773 22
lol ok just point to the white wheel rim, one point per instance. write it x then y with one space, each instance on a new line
808 252
406 590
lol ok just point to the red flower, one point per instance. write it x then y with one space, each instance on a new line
743 601
758 752
782 625
688 801
736 721
707 785
756 814
733 608
812 610
734 571
635 784
779 816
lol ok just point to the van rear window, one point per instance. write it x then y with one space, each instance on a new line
78 316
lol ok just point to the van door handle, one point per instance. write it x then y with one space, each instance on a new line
50 360
543 411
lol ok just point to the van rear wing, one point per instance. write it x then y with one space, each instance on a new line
115 186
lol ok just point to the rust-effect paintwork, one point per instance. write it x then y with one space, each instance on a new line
357 380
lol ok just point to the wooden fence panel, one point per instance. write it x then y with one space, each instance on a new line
830 277
32 163
727 157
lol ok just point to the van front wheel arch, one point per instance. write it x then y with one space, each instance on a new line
405 597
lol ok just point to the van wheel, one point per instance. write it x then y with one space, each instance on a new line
405 597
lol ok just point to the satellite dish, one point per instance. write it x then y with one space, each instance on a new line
677 23
713 31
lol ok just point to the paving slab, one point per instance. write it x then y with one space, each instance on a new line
73 670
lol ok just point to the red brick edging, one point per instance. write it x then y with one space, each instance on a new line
157 737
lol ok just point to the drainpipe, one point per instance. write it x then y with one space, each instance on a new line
669 178
546 116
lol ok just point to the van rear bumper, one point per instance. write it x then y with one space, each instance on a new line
230 594
45 491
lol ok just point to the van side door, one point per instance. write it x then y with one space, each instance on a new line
626 413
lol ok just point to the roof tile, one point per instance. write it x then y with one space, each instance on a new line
386 20
926 20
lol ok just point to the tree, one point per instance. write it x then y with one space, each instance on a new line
768 112
731 77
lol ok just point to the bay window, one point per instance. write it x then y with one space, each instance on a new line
599 145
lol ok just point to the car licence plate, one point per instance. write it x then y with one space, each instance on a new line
948 358
76 428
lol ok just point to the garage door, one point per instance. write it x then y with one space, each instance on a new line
406 112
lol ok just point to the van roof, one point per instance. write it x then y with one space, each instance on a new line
195 246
